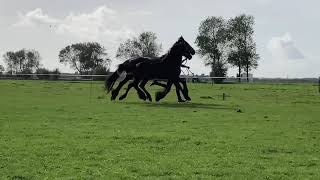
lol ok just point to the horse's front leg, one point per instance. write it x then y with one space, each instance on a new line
178 89
130 85
185 90
115 92
161 94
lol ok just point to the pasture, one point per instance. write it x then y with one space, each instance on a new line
54 130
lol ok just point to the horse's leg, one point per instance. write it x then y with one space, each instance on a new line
141 94
142 86
130 85
178 88
185 89
158 84
115 92
165 86
176 83
134 84
161 94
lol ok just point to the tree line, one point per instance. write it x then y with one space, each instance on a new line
221 43
228 42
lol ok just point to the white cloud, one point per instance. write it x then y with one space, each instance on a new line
35 17
284 48
286 59
102 23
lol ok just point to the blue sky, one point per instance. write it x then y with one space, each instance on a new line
286 31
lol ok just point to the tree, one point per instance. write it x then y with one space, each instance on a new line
243 54
251 59
100 70
84 57
22 61
1 69
145 45
212 42
10 60
46 74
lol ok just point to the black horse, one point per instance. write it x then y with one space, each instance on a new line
129 76
129 67
167 67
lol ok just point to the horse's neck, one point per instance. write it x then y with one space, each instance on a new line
173 59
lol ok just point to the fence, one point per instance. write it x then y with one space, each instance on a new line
194 79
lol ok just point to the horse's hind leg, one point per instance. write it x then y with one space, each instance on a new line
158 84
116 91
141 94
142 86
135 85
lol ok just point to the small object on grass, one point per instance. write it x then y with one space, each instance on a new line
206 97
266 117
239 110
197 143
195 111
184 121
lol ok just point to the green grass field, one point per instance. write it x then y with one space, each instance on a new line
54 130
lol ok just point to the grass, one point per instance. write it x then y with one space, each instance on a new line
54 130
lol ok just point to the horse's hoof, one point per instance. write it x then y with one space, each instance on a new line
114 94
121 98
181 101
158 96
143 97
188 98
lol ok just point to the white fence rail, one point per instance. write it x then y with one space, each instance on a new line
207 79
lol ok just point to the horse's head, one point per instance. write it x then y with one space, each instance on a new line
185 49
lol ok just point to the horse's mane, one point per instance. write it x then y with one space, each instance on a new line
163 57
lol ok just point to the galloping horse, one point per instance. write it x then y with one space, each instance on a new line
129 65
166 67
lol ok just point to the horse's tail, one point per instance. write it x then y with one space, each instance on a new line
113 78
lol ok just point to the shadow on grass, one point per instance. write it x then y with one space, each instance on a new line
181 105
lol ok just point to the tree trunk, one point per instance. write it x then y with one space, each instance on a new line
247 70
239 66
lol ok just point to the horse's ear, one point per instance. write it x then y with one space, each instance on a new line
181 38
